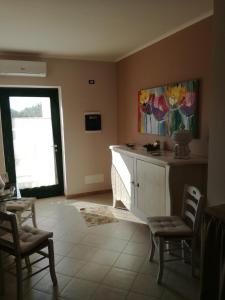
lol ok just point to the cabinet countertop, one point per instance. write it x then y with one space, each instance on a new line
165 157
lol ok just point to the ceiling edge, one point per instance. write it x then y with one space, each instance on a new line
167 34
43 56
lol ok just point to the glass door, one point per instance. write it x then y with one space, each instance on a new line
32 140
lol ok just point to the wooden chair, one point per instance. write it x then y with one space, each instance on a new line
21 243
165 231
24 208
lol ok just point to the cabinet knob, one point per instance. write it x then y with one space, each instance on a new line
132 182
137 185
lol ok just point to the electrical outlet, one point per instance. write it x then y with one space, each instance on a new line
97 178
91 81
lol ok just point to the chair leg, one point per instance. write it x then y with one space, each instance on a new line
152 250
161 259
185 249
28 265
193 251
33 215
183 254
19 279
52 262
114 202
2 286
19 218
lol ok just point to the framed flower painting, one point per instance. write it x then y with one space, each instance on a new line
161 110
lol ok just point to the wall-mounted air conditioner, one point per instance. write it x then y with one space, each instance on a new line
23 68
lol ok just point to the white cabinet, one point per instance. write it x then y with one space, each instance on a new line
150 194
153 186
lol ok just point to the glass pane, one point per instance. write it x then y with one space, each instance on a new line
33 141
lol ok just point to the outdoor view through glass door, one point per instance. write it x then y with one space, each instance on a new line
35 141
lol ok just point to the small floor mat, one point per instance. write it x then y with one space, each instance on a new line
98 215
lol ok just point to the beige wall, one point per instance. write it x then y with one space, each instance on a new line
184 55
85 154
216 176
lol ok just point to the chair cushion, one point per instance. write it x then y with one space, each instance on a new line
169 226
19 205
29 238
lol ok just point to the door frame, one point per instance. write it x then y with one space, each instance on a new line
54 94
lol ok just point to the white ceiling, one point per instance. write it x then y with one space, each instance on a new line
104 30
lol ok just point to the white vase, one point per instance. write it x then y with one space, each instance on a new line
182 139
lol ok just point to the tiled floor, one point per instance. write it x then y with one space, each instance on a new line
102 262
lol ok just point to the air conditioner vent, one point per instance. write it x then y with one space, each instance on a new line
23 68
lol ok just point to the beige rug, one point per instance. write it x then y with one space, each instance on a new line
97 215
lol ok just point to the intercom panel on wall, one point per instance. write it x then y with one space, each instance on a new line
92 121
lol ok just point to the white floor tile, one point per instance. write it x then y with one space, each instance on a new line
82 252
93 272
140 249
146 284
102 262
45 284
108 293
105 257
135 296
129 262
120 278
69 266
79 289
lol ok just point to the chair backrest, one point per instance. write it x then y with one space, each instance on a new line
9 235
193 202
4 181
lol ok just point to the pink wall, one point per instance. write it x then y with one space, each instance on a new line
85 154
184 55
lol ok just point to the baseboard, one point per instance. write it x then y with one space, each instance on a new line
74 196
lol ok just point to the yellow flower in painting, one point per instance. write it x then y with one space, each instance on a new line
144 96
176 94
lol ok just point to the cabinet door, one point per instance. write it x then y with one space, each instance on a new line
124 177
151 189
